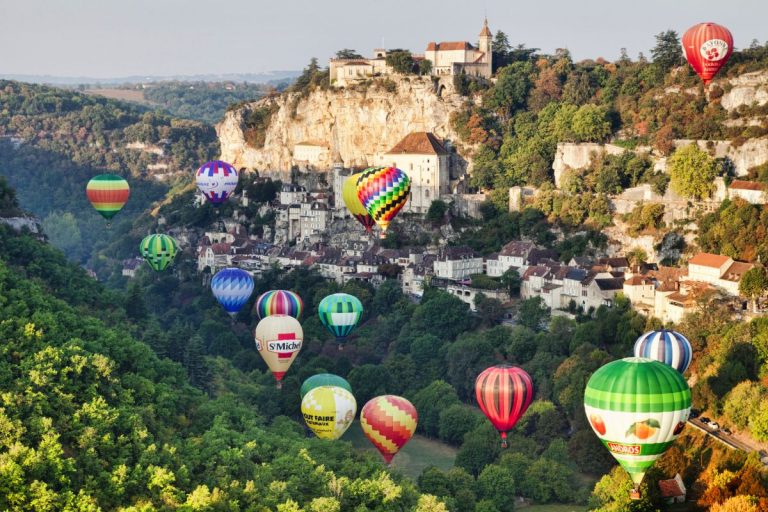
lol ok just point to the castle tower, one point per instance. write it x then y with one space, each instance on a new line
486 46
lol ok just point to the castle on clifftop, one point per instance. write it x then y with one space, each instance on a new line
447 58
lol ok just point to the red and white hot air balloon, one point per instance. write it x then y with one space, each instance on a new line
707 46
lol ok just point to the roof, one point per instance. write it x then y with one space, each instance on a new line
638 281
449 45
737 270
670 488
614 262
576 274
419 143
746 185
221 248
614 283
535 271
583 261
537 255
705 259
461 252
516 248
486 31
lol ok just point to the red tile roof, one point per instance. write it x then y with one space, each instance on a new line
486 31
737 270
746 185
705 259
450 45
419 143
670 488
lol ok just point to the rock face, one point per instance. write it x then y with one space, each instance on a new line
354 123
747 89
572 155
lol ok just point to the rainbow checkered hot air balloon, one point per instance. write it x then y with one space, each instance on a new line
232 287
383 191
159 251
389 422
353 204
216 180
278 302
108 193
340 313
637 407
665 346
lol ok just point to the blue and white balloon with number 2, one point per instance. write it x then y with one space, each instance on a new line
232 287
665 346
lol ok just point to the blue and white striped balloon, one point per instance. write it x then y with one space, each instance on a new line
232 287
666 346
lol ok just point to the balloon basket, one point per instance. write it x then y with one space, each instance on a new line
634 494
383 235
504 440
279 385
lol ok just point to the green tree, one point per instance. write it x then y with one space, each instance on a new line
667 53
455 421
510 92
692 172
495 483
430 401
62 231
490 310
533 313
347 53
436 212
400 60
590 124
480 448
135 307
754 284
511 281
425 67
500 48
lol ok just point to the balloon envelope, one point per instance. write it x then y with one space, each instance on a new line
388 422
340 313
665 346
323 379
278 340
353 204
504 393
328 411
216 180
637 407
278 302
707 47
108 193
383 191
232 287
159 251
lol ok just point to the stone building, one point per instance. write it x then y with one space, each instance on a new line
426 161
455 57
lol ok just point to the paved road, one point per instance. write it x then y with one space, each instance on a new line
729 441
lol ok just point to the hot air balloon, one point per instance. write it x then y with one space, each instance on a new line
323 379
278 340
665 346
232 287
108 193
637 407
340 313
159 251
328 411
388 422
383 191
504 393
278 302
355 207
216 180
707 46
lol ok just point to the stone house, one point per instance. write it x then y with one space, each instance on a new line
457 263
468 294
514 254
750 191
291 193
311 153
718 270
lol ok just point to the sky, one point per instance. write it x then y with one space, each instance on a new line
115 38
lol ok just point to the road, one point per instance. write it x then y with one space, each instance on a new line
727 440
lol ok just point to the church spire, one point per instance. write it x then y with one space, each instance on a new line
486 32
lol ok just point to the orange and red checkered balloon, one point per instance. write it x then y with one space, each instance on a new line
388 422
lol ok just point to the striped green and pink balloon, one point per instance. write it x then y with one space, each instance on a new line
278 302
637 407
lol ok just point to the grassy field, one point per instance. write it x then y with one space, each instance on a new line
419 453
134 95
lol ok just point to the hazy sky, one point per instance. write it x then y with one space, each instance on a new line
106 38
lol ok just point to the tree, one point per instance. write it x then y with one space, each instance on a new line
533 313
62 230
401 61
737 504
430 401
495 483
500 48
135 307
346 53
667 53
480 448
490 310
637 256
425 67
590 124
511 90
692 172
436 212
754 284
455 421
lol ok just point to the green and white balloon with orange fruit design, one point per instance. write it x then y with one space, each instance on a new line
637 407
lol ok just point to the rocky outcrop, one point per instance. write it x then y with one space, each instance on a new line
21 223
578 155
747 89
355 123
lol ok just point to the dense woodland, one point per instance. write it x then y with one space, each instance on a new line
146 396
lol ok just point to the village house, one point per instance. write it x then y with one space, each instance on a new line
468 294
291 193
673 490
718 270
448 58
457 263
426 162
313 219
512 255
130 266
750 191
311 153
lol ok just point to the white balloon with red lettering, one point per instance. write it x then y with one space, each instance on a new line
278 340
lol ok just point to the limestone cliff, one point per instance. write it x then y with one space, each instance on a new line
354 124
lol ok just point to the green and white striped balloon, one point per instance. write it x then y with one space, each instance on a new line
637 407
340 313
159 251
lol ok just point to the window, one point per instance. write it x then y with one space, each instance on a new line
426 194
411 167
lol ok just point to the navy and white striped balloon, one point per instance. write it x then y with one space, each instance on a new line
232 287
666 346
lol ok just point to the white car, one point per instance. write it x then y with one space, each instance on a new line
714 426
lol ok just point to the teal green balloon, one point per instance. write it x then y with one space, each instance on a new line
340 313
323 379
